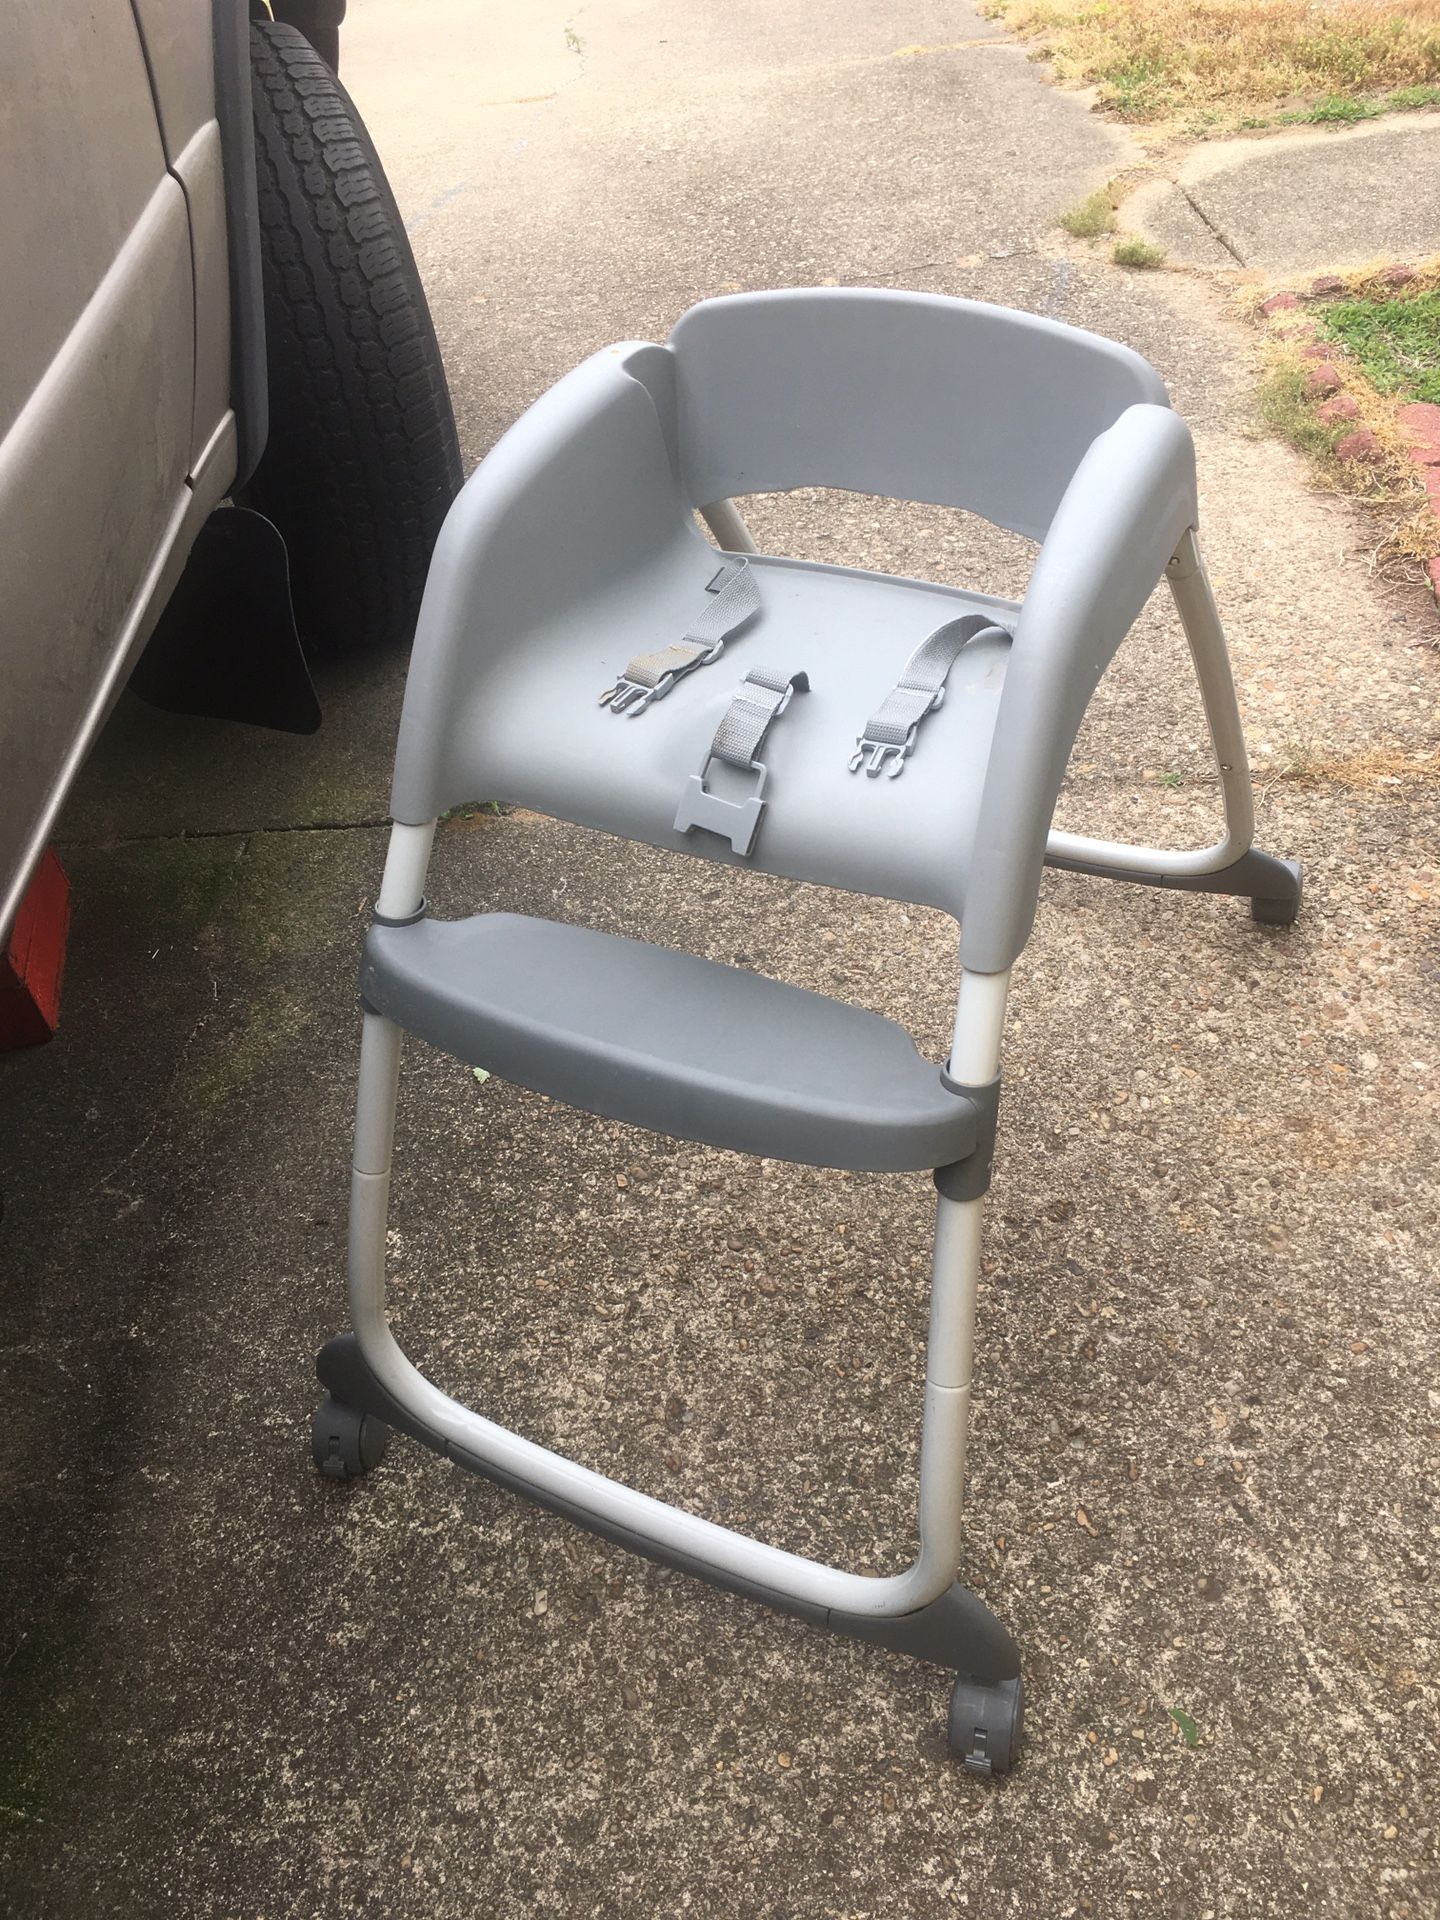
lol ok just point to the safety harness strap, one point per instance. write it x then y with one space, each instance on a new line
758 702
759 699
734 602
891 731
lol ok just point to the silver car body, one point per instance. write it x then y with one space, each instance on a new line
118 434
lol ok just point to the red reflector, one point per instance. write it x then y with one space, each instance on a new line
31 970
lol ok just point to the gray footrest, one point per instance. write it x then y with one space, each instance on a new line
664 1040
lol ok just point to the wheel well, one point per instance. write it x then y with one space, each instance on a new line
249 379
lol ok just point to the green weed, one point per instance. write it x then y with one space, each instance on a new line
1094 215
1186 1725
1287 410
1131 251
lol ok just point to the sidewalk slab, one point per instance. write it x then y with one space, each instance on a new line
1308 199
1165 213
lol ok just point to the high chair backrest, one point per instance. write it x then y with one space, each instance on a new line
910 395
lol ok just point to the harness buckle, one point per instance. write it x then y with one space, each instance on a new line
633 696
738 740
737 821
873 754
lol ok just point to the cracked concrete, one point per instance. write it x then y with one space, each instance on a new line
1210 1322
1317 197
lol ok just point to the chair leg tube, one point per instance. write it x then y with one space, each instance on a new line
724 520
1232 865
388 1386
945 1429
1194 599
954 1286
407 861
375 1095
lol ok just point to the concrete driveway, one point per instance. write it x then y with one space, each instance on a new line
1205 1442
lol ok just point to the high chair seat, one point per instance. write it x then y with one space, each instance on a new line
574 549
550 744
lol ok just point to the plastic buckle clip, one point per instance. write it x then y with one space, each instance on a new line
632 696
873 754
879 751
737 821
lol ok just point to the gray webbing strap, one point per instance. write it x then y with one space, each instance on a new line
760 698
735 600
758 702
891 730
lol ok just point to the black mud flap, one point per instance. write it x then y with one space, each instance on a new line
226 646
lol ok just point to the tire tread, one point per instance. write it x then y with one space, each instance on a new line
363 460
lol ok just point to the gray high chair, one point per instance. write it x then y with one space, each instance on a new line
583 650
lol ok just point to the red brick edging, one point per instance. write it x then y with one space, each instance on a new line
1421 424
1420 421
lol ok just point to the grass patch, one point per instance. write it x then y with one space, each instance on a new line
1385 347
1336 110
1287 410
1396 343
1386 483
1094 215
1219 60
1341 110
1369 772
1131 251
1346 110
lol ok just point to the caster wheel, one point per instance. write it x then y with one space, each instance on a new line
1280 913
986 1724
345 1443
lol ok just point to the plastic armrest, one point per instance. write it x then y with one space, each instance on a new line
1130 501
578 491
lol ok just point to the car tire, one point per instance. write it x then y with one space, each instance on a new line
361 461
319 21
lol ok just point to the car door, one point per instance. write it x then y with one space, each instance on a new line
97 390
